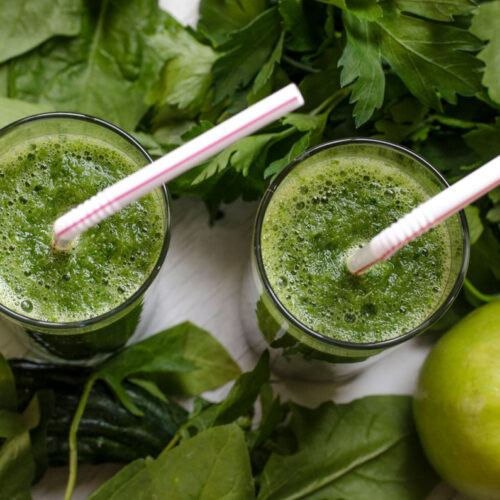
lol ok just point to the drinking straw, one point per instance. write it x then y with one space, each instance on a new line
117 196
425 216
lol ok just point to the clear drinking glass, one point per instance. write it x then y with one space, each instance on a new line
298 351
97 336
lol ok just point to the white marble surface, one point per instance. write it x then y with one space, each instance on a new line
200 281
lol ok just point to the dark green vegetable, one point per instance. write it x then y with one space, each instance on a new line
107 431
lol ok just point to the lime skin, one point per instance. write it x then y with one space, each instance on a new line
457 404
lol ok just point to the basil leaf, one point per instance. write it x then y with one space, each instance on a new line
364 449
26 24
213 465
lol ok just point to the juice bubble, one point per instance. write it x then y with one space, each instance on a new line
26 306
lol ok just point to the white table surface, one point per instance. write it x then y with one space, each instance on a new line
200 282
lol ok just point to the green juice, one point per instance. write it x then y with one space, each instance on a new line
42 179
322 212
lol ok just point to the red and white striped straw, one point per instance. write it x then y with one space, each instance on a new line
426 216
175 163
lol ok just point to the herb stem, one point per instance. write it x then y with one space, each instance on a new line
172 443
332 101
299 65
73 445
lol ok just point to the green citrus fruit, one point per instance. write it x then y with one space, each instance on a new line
457 404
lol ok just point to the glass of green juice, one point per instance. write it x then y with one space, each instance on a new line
319 321
85 302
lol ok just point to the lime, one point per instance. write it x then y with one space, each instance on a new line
457 404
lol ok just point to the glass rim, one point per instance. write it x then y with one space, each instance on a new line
56 325
361 346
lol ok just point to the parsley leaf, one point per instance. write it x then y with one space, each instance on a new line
244 54
485 25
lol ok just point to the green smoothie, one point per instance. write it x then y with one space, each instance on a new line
42 179
319 214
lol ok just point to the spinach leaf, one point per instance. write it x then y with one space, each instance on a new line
364 449
14 109
184 359
17 467
485 26
26 24
213 465
238 403
106 71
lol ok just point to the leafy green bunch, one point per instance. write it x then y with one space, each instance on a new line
425 74
250 445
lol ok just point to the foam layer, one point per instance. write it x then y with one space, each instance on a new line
321 213
41 180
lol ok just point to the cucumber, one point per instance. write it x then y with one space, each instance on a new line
107 431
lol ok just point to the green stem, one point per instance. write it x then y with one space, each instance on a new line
481 296
172 443
73 445
329 104
299 65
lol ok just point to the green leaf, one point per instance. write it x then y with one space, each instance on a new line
263 83
238 403
240 156
364 9
484 140
17 468
429 57
474 221
8 397
493 214
299 25
277 166
14 109
362 65
244 54
183 359
440 10
26 24
186 77
218 18
485 26
213 465
494 195
244 392
106 71
364 449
